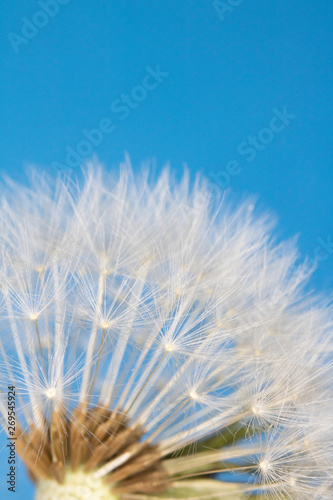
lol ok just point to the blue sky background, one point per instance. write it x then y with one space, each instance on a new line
226 72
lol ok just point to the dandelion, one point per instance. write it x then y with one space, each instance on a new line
159 350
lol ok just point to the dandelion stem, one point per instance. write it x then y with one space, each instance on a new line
40 348
98 360
92 340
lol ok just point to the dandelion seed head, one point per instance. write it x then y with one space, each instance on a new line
105 324
51 393
264 466
256 410
105 272
194 395
169 347
160 343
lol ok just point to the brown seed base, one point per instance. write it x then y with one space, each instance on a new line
89 439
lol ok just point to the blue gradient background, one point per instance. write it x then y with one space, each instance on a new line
225 77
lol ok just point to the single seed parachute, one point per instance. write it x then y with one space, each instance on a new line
161 344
